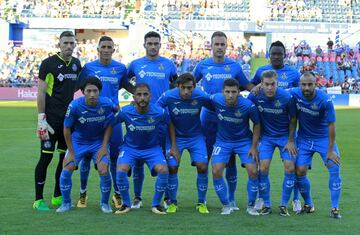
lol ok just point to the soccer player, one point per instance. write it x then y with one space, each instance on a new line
288 77
142 120
87 129
184 104
233 113
113 77
278 124
58 77
160 74
212 73
316 115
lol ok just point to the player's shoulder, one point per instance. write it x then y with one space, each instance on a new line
198 92
156 109
105 101
244 101
217 97
117 64
264 67
282 93
138 61
75 60
78 101
229 61
165 60
322 95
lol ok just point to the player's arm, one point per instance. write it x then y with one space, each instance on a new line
290 145
103 151
174 151
331 155
255 142
70 155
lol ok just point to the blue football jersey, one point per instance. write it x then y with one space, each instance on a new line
142 130
185 113
89 123
112 76
158 74
288 77
233 121
314 115
275 112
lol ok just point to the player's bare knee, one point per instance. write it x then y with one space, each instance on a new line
289 167
161 168
123 168
173 169
69 166
252 171
201 168
301 171
217 172
103 169
264 169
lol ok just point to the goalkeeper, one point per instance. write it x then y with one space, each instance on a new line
57 83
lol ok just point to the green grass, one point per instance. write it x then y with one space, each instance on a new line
20 152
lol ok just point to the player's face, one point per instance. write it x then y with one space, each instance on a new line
308 85
67 46
186 89
152 46
218 46
106 49
142 97
269 85
231 93
277 55
91 93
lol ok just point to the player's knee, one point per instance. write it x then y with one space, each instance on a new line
264 169
122 168
69 166
252 171
301 171
161 168
289 167
103 169
173 169
201 168
217 172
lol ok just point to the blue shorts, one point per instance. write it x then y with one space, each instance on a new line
116 140
267 146
308 147
209 129
152 157
87 150
196 147
223 150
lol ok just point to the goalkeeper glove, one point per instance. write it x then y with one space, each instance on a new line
43 127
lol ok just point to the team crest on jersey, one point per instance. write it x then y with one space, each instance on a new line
277 103
227 68
113 71
100 111
314 106
151 120
47 144
194 102
74 67
67 114
238 113
142 73
161 67
283 76
60 77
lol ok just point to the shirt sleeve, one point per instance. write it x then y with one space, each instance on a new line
254 114
119 117
123 77
330 111
43 70
130 72
162 101
257 78
197 72
297 79
173 73
70 116
291 107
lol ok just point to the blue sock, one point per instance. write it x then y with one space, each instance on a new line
296 191
172 187
231 179
202 186
287 188
84 174
166 194
264 188
122 182
105 188
334 185
305 189
65 185
221 190
138 179
160 187
252 189
113 162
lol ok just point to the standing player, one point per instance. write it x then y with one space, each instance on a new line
184 104
87 129
57 83
288 77
316 115
159 73
112 75
213 72
233 113
142 120
278 121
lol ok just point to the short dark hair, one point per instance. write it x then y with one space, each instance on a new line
186 77
218 34
105 38
269 74
277 44
138 85
92 81
67 34
152 34
231 82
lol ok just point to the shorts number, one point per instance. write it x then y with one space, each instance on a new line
216 150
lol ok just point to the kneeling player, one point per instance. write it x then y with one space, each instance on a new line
87 129
142 121
233 113
316 115
278 121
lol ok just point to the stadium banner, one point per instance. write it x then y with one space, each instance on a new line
12 93
252 26
354 100
340 100
334 90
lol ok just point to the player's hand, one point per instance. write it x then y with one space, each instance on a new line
256 89
100 154
174 151
333 157
254 153
43 128
291 148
